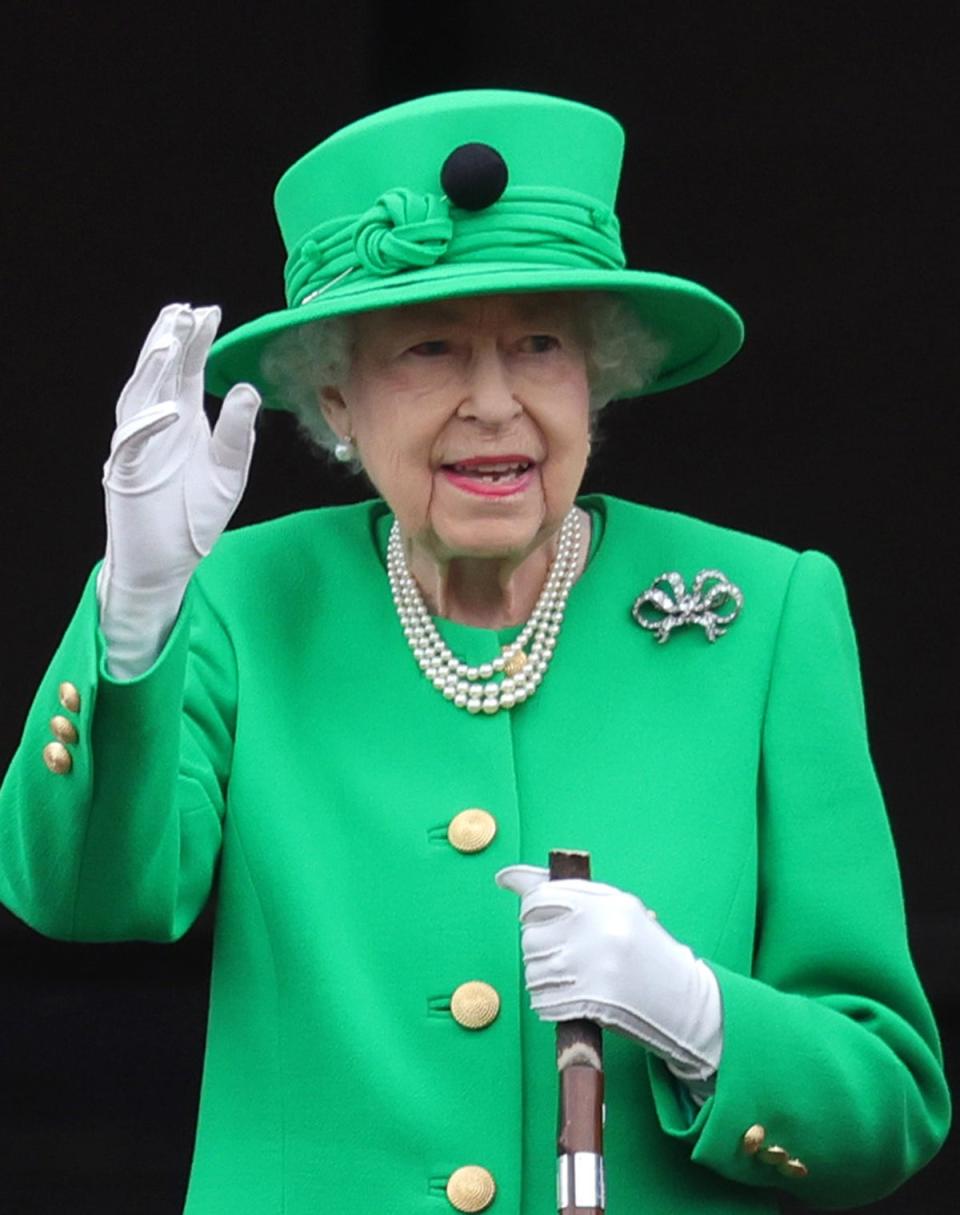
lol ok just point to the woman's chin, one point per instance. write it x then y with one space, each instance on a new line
489 537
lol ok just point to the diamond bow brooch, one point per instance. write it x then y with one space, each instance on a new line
712 590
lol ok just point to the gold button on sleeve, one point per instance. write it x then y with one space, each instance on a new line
471 1188
57 758
63 728
471 830
70 697
475 1004
753 1138
774 1154
794 1167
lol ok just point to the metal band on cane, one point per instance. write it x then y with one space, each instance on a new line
580 1181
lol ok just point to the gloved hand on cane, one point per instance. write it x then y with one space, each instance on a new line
170 484
592 950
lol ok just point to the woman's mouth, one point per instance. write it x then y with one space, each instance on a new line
495 477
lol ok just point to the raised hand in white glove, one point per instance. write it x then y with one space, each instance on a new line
592 950
170 484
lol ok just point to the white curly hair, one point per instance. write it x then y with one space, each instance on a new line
623 356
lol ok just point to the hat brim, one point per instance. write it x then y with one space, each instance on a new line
700 331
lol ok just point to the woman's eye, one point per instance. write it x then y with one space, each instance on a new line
430 350
539 343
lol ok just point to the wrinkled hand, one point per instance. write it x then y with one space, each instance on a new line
170 484
592 950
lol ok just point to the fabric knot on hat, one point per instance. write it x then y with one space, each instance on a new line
311 250
401 231
606 222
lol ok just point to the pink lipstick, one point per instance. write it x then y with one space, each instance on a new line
495 476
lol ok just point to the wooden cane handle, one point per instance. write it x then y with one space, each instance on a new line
565 863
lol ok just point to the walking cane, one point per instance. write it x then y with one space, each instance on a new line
581 1188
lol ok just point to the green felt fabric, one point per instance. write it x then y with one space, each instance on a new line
286 750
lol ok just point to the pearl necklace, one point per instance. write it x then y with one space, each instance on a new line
474 688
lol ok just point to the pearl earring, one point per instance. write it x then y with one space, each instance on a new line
345 450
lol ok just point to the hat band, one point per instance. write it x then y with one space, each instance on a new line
403 231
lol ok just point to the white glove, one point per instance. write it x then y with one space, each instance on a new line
592 950
170 485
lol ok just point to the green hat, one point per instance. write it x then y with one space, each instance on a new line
469 193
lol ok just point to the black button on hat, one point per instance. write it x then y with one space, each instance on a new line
474 176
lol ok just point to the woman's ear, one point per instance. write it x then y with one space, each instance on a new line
334 408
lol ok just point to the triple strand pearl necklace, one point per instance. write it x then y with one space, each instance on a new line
513 676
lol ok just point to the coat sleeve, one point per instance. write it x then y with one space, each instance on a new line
123 845
829 1044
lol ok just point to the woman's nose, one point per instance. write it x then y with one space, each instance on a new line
488 391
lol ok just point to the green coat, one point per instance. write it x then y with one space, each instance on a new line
286 743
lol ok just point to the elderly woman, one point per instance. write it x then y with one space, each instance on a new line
356 719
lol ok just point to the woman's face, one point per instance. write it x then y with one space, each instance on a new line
471 418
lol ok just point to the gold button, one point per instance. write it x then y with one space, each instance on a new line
475 1004
57 758
471 830
63 728
793 1167
753 1138
70 697
774 1154
471 1188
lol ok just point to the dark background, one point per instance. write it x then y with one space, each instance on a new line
795 158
